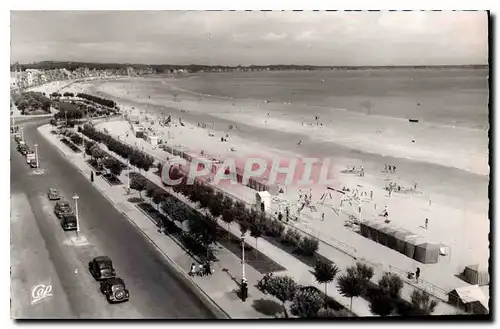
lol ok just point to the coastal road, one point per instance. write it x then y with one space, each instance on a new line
44 254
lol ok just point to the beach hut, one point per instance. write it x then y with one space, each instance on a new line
153 140
374 230
391 237
383 234
365 228
400 237
477 274
427 253
410 243
263 197
471 299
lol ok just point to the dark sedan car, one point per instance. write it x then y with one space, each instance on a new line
101 268
68 222
62 208
115 291
53 194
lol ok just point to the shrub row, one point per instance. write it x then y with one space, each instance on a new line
199 237
70 145
98 100
137 158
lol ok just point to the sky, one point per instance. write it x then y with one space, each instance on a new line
246 38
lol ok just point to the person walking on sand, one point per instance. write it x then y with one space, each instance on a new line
417 274
394 169
323 217
426 223
371 195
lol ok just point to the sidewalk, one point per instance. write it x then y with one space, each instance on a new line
381 258
219 288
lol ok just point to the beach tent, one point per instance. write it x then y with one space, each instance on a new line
477 274
410 243
391 237
427 253
365 228
470 299
384 234
374 227
400 237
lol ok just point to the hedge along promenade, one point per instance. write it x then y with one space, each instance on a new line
137 158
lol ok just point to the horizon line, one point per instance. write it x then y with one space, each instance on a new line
241 65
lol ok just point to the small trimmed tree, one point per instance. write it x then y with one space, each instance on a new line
325 272
306 303
353 283
256 232
381 304
283 288
421 303
158 196
391 284
138 183
308 246
215 204
116 168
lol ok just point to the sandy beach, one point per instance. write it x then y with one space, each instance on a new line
449 163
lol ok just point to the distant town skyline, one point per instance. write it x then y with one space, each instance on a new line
251 38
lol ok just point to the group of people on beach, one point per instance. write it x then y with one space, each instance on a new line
390 169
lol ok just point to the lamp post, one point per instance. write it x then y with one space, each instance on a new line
243 279
244 283
128 175
76 197
36 156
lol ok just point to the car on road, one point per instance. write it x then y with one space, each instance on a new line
62 208
101 268
33 164
53 194
68 222
115 291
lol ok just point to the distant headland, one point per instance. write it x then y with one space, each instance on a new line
193 68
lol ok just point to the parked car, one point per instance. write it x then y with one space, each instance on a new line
101 268
68 222
62 208
53 194
115 291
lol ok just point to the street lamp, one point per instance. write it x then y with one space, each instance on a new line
76 197
128 175
243 279
244 283
36 155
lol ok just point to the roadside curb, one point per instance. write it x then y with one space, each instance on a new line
178 271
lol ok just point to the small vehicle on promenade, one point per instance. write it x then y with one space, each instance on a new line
68 222
101 268
62 208
53 194
115 291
